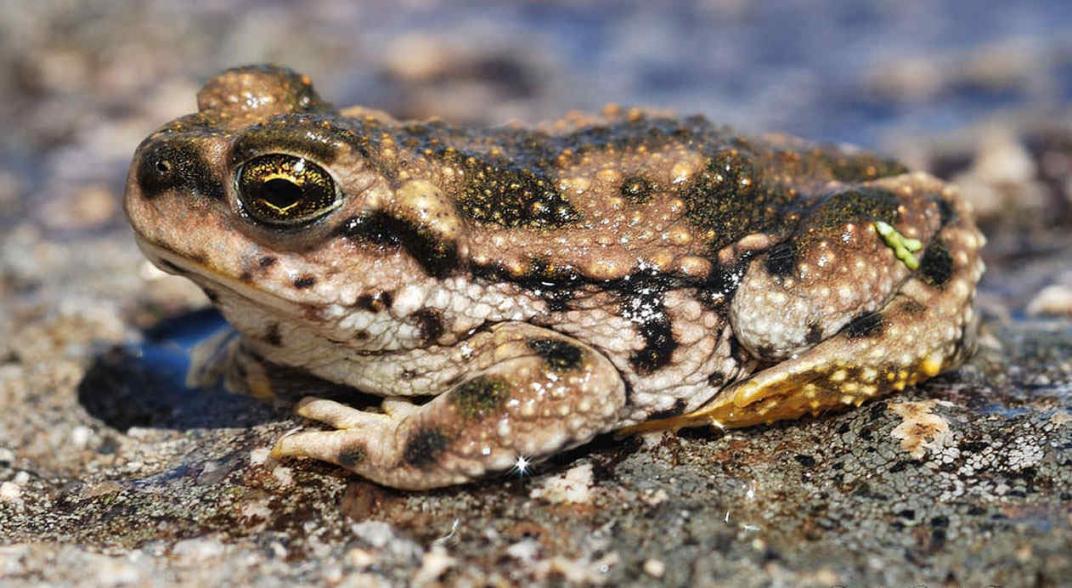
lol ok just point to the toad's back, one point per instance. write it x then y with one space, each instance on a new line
590 192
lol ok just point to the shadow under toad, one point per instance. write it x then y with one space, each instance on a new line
144 384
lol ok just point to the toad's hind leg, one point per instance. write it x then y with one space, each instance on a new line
530 393
926 328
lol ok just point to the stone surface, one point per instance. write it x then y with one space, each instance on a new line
112 474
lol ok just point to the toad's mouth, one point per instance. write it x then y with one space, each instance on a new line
206 276
301 312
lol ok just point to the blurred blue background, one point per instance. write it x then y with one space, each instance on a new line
83 82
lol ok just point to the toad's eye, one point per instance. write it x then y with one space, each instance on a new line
280 189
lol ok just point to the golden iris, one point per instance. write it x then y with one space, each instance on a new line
281 189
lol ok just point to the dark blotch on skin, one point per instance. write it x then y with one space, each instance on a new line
868 324
376 228
659 344
273 335
424 447
304 282
814 336
781 259
430 323
377 302
945 211
730 199
176 165
721 285
266 262
676 410
716 379
505 193
642 303
636 189
246 276
438 257
937 264
479 397
852 206
558 354
737 351
350 457
556 284
628 393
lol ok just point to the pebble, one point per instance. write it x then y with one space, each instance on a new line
284 475
198 549
10 492
375 533
654 568
212 472
574 486
655 498
259 455
434 564
1001 158
524 550
361 559
257 509
112 571
278 551
381 535
80 436
1055 300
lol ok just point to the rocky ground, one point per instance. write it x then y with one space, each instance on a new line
111 473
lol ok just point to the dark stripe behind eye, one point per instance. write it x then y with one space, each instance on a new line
438 256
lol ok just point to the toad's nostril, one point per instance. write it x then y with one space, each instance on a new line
176 165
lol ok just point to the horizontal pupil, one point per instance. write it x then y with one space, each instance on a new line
281 194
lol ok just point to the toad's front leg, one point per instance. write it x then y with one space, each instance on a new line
529 394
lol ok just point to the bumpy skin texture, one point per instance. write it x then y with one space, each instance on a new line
547 285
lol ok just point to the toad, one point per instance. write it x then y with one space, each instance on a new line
513 292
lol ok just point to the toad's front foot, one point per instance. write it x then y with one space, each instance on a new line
531 393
